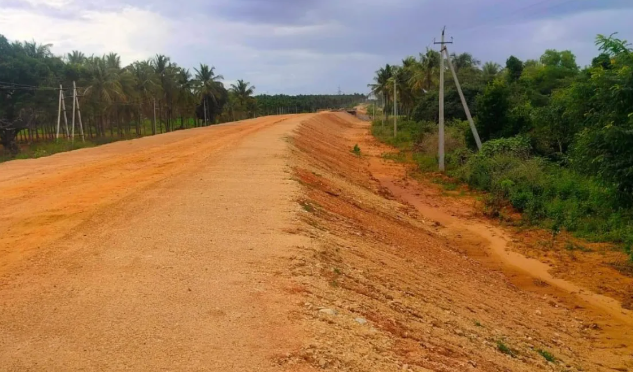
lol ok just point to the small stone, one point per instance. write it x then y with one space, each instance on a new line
361 320
538 312
329 311
322 363
405 367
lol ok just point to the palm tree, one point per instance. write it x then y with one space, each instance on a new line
242 92
382 86
464 60
113 61
490 71
185 93
103 88
33 49
145 87
207 86
76 57
424 76
165 73
406 95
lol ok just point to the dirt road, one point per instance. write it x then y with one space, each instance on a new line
155 254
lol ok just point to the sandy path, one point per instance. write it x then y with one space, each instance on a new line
184 275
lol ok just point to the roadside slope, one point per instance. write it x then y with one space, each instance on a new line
427 305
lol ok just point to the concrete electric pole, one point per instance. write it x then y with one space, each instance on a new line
441 128
395 107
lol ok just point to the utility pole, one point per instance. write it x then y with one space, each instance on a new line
374 115
463 99
395 106
384 112
81 125
205 111
154 121
59 111
64 110
72 138
441 128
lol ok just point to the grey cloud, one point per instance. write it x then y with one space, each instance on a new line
272 11
386 32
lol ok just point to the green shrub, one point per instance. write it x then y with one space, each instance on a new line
518 147
356 150
548 195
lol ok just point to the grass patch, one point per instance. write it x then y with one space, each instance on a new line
307 206
505 349
547 355
42 149
571 246
399 157
447 184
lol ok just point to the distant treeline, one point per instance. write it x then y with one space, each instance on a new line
281 103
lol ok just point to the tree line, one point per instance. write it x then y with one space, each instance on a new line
123 101
558 138
280 103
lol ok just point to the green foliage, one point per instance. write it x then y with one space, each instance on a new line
604 146
356 150
547 194
493 120
518 147
515 68
427 108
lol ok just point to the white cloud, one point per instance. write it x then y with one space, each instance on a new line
133 33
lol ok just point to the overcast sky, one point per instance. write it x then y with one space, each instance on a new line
312 46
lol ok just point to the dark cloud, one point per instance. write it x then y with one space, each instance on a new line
273 11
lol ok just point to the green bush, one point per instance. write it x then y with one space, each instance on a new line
547 194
